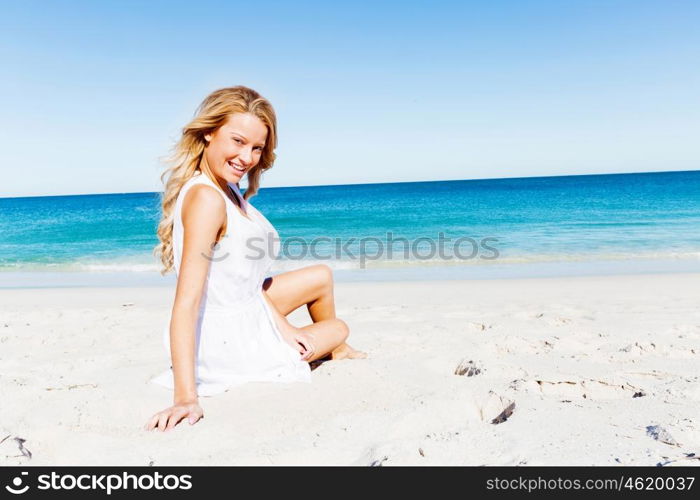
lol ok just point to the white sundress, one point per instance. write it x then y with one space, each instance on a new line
237 340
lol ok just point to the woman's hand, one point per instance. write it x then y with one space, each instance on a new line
301 341
170 417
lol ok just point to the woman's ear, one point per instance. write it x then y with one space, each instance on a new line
207 138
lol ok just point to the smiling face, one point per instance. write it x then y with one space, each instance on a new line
235 147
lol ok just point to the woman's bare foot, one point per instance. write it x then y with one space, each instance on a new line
344 351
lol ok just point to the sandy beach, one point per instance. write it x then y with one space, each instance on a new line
595 370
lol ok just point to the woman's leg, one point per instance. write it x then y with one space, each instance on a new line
311 286
326 336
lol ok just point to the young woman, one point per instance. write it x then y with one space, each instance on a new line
228 323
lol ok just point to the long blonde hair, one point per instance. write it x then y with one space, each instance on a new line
188 153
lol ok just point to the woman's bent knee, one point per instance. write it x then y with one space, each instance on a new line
344 329
325 273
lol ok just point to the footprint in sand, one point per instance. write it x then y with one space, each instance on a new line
639 348
467 368
680 350
496 408
13 447
658 433
582 388
374 456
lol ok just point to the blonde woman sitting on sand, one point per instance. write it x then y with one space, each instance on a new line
228 324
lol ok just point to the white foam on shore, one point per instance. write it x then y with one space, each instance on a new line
144 264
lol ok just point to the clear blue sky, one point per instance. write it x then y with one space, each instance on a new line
93 93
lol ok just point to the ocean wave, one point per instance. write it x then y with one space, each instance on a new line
78 267
533 259
142 264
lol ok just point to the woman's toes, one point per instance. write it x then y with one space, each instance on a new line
346 352
353 354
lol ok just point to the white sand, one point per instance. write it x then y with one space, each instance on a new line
570 352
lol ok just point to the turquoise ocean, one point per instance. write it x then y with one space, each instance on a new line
518 227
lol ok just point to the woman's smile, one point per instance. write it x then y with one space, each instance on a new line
237 168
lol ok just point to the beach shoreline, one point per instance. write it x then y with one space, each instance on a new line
23 279
593 369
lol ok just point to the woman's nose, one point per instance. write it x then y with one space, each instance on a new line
246 155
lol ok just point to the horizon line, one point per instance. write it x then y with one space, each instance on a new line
374 183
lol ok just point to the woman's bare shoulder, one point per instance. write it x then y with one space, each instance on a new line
203 202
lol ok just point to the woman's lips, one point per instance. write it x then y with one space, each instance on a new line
237 168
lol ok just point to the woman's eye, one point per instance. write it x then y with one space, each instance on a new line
238 140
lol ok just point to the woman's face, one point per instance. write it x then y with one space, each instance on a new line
236 146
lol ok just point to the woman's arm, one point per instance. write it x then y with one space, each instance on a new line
294 336
203 215
282 322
